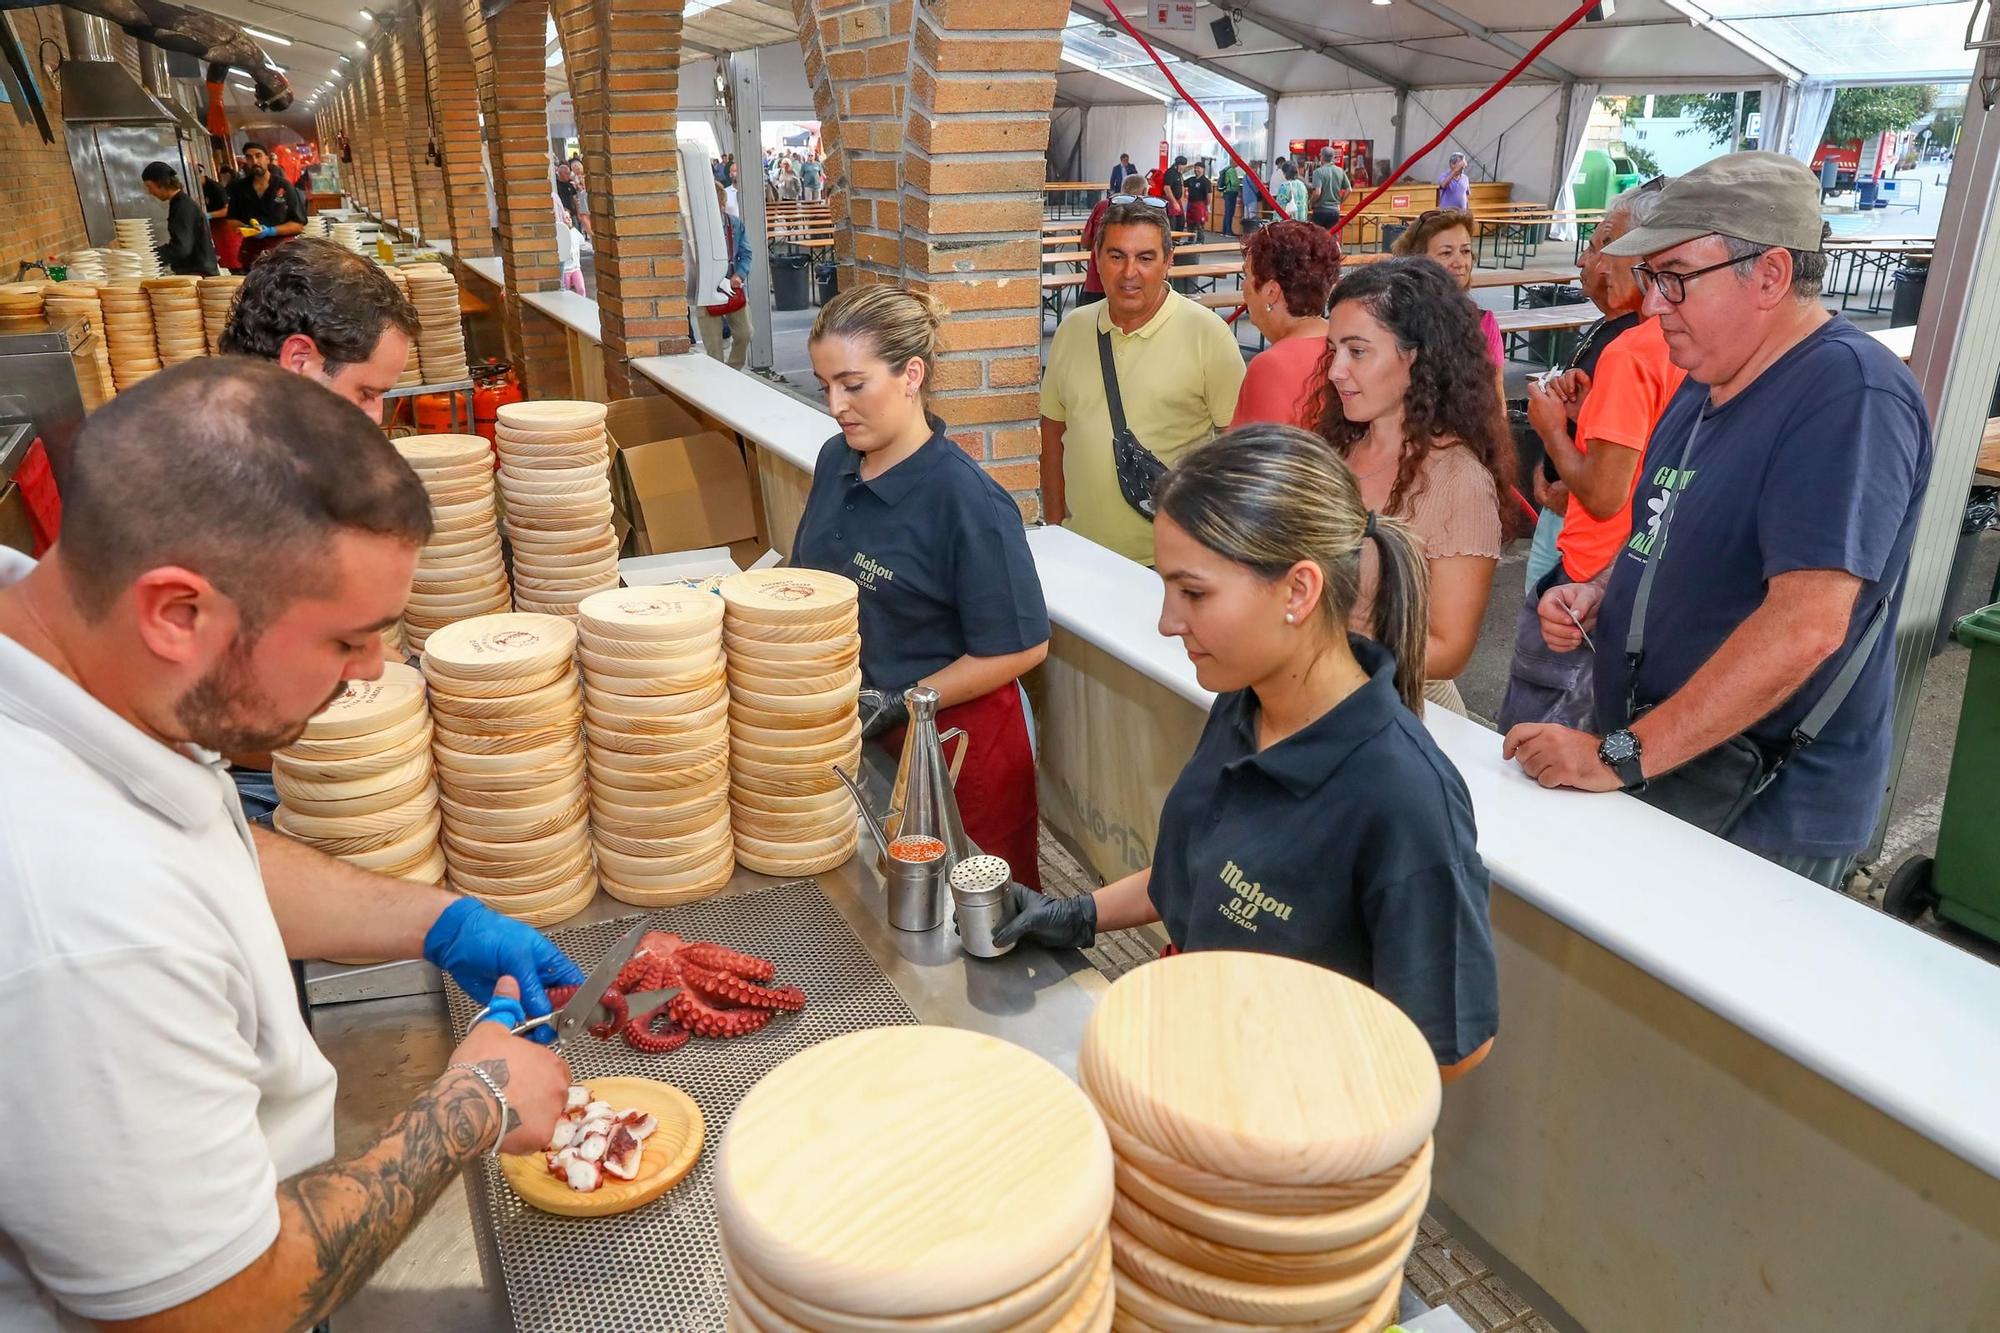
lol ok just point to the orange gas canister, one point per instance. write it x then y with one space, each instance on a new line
494 387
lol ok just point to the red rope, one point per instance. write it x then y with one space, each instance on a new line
1534 53
1199 110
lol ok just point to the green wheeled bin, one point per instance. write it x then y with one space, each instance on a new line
1962 882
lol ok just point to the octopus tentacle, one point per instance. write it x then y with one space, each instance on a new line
740 991
720 958
694 1013
644 1033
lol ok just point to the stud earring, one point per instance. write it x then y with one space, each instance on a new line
1290 618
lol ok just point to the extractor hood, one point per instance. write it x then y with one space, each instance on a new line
95 87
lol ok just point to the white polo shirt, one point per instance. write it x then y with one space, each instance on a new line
157 1080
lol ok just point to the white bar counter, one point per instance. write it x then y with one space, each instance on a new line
1721 1098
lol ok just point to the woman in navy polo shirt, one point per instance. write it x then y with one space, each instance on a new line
949 594
1317 818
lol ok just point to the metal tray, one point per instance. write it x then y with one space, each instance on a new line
660 1267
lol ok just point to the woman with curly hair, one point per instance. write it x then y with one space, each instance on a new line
1406 394
1288 270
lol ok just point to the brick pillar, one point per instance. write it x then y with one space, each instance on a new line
507 58
393 139
455 111
623 63
965 88
407 62
382 186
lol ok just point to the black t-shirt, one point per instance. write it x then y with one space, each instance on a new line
1173 182
566 191
1349 844
213 196
1198 189
938 551
277 204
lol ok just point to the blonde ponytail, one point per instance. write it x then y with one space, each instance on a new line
901 325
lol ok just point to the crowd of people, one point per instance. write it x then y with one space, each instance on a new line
1743 683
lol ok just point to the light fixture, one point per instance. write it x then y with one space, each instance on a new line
360 45
263 36
1383 3
368 14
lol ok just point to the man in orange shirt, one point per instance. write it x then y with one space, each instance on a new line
1614 411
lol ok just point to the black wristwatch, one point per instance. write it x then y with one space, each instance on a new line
1620 752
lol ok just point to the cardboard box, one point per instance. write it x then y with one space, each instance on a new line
681 486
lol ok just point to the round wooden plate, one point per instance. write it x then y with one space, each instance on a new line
1041 1305
787 596
364 707
945 1229
435 453
550 414
1141 1309
662 613
1230 1261
1252 1302
666 1156
500 647
1249 1195
360 766
1310 1233
1258 1067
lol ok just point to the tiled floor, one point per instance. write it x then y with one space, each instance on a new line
1439 1270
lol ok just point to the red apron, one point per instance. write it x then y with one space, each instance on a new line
228 236
996 787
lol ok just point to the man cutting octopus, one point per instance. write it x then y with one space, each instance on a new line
235 539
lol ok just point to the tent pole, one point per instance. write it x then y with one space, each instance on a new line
1956 351
1557 178
747 86
1402 117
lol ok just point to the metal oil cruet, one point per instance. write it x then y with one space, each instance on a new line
923 816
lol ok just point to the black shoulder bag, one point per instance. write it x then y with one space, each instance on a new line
1714 789
1139 469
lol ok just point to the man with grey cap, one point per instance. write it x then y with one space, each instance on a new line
1747 668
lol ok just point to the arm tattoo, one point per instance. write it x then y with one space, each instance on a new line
354 1213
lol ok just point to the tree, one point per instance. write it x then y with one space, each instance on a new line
1713 113
1861 112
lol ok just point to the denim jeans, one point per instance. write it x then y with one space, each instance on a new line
257 792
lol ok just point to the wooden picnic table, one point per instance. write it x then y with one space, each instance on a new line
1205 248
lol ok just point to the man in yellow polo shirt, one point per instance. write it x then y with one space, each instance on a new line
1179 370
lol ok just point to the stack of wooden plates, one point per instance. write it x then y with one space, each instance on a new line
655 719
413 367
136 238
460 572
87 266
395 648
860 1187
1272 1123
128 332
507 707
217 295
66 303
358 784
177 322
346 234
21 307
793 644
555 477
441 344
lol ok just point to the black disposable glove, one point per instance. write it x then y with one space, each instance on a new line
889 712
1057 923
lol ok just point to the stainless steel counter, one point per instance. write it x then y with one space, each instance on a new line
388 1046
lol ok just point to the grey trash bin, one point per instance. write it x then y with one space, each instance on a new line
791 282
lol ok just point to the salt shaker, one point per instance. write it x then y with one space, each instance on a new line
979 897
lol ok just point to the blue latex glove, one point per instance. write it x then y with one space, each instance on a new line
267 232
506 1011
478 946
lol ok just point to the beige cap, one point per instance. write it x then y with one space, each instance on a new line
1764 198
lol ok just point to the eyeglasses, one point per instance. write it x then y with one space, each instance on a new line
1146 199
1673 286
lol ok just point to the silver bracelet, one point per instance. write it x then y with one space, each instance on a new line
498 1096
